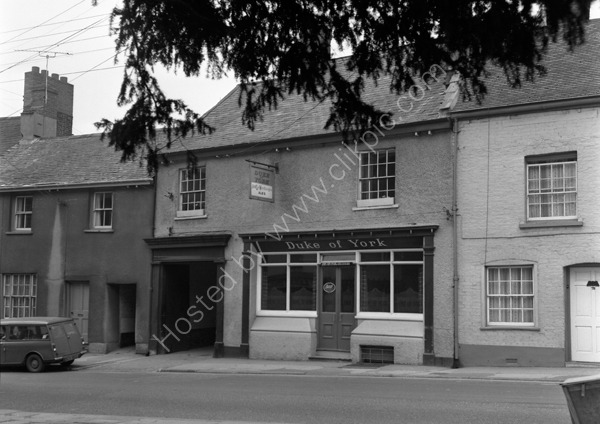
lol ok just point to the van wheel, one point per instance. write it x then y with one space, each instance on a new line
34 363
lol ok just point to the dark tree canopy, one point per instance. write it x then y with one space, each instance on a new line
275 48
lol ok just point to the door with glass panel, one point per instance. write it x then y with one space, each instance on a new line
336 307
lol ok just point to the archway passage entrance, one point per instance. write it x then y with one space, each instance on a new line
188 318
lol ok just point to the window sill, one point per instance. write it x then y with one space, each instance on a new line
551 223
287 314
185 218
99 231
21 233
507 327
368 208
389 316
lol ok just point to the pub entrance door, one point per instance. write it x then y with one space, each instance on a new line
336 307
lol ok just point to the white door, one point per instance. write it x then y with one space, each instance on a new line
585 315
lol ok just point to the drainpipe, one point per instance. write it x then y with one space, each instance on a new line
455 279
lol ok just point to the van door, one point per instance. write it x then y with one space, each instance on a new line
59 338
73 337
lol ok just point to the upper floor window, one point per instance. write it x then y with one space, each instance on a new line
552 187
103 210
23 212
377 178
510 296
19 295
192 192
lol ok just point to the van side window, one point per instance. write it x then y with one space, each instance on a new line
35 332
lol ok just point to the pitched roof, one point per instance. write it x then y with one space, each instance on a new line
570 75
10 132
295 117
66 161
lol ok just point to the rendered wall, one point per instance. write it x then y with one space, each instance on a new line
316 189
61 248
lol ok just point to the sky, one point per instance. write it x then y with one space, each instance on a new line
72 38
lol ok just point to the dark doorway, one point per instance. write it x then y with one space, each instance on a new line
175 302
188 313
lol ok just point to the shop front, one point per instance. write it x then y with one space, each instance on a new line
366 295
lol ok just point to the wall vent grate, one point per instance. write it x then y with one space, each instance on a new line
377 354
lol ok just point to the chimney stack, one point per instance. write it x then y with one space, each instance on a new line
47 105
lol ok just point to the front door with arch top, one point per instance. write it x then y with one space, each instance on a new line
336 307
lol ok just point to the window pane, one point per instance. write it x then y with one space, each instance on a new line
408 288
510 295
303 288
375 288
273 259
375 257
273 288
408 256
377 174
303 258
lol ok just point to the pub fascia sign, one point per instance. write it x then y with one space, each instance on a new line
345 243
261 183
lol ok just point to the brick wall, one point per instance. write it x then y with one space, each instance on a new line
59 93
492 205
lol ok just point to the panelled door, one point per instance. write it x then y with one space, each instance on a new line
585 315
78 305
337 307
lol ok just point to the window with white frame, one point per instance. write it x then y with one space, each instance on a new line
103 210
552 188
391 282
192 192
377 178
510 296
23 213
288 282
19 295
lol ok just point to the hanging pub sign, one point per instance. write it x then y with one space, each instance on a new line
261 183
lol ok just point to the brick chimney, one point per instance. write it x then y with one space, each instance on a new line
47 105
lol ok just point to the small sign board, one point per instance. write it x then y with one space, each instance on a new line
261 183
329 287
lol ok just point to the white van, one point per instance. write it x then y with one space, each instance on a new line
37 341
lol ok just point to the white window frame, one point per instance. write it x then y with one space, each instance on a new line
533 295
100 210
19 294
552 191
404 316
198 206
381 198
23 214
287 264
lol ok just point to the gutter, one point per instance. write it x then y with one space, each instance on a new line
528 108
57 187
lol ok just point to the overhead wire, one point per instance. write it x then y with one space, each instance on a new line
46 21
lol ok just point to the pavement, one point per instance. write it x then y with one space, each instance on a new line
201 361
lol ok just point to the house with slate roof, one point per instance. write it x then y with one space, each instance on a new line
528 223
287 243
73 220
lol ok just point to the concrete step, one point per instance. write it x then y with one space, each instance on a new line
331 355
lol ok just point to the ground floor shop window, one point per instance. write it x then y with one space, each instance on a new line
510 296
19 295
289 282
388 282
391 284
